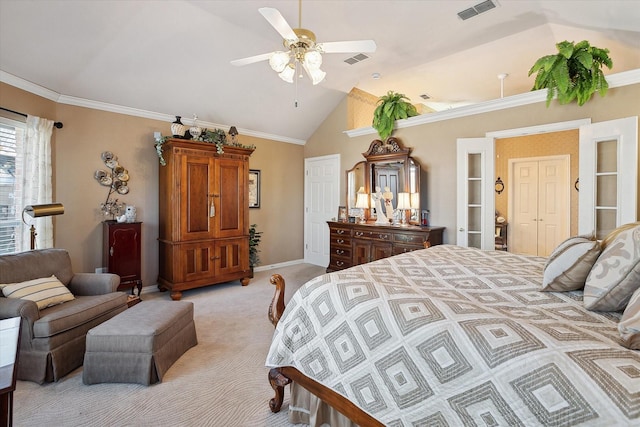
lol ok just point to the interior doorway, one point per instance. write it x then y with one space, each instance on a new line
539 204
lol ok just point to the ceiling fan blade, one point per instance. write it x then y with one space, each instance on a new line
279 23
251 59
364 46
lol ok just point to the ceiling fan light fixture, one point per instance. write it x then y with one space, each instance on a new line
312 59
316 75
279 61
288 73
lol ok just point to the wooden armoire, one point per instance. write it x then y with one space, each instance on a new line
204 216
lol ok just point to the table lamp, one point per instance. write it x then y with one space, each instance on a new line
362 203
404 204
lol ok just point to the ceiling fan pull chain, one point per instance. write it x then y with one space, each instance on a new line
299 13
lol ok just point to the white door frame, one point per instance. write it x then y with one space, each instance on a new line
331 211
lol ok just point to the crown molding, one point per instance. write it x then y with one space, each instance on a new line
624 78
27 86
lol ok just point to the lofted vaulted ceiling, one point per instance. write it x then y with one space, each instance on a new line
173 56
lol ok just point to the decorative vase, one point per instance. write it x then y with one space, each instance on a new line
177 128
195 131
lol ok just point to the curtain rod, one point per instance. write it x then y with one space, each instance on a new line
57 125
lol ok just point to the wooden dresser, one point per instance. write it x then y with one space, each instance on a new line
354 244
204 216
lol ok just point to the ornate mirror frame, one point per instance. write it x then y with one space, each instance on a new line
386 163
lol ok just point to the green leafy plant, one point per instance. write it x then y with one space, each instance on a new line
574 73
254 241
215 136
391 107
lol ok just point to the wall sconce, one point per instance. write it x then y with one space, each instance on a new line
404 203
499 186
362 203
36 211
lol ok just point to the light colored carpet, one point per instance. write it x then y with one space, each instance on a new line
220 382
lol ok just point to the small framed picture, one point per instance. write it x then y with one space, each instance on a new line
254 188
342 213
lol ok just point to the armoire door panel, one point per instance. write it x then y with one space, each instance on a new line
230 179
195 197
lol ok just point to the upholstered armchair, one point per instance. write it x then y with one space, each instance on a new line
53 333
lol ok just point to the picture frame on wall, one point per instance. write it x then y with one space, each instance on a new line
342 214
254 188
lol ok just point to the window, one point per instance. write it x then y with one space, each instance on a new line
11 133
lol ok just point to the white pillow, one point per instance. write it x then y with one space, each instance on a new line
616 274
45 292
629 325
569 264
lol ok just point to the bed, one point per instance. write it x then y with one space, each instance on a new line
451 336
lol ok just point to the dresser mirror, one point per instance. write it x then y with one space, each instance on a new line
387 165
356 178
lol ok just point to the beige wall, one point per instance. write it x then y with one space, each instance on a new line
76 154
434 144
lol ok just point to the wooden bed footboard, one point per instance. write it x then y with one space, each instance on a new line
280 377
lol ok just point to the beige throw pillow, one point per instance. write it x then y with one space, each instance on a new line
569 264
616 274
629 325
45 292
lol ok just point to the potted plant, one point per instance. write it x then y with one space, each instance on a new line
254 241
574 73
391 107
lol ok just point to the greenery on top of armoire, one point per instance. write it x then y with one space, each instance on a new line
574 73
215 136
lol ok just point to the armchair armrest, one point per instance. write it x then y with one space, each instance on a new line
93 283
25 309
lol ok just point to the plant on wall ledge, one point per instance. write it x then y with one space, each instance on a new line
574 73
391 107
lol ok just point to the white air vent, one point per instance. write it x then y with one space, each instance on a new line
425 96
476 10
355 59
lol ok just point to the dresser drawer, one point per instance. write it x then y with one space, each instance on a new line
337 251
411 238
342 241
339 232
374 235
400 249
338 264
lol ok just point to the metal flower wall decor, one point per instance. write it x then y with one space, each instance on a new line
116 178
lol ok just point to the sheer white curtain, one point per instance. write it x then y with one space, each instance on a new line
35 178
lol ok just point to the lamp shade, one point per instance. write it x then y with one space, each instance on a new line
404 201
287 74
362 200
278 61
415 200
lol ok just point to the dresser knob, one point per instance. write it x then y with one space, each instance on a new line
340 241
340 252
340 231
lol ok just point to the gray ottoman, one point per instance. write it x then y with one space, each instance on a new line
140 344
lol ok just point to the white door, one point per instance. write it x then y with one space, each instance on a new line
608 175
475 188
540 198
321 200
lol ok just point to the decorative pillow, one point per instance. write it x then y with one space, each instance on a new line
44 292
612 236
629 325
616 274
569 264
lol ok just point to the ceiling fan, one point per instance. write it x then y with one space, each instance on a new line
303 51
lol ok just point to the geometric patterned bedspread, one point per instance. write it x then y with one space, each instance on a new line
451 336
